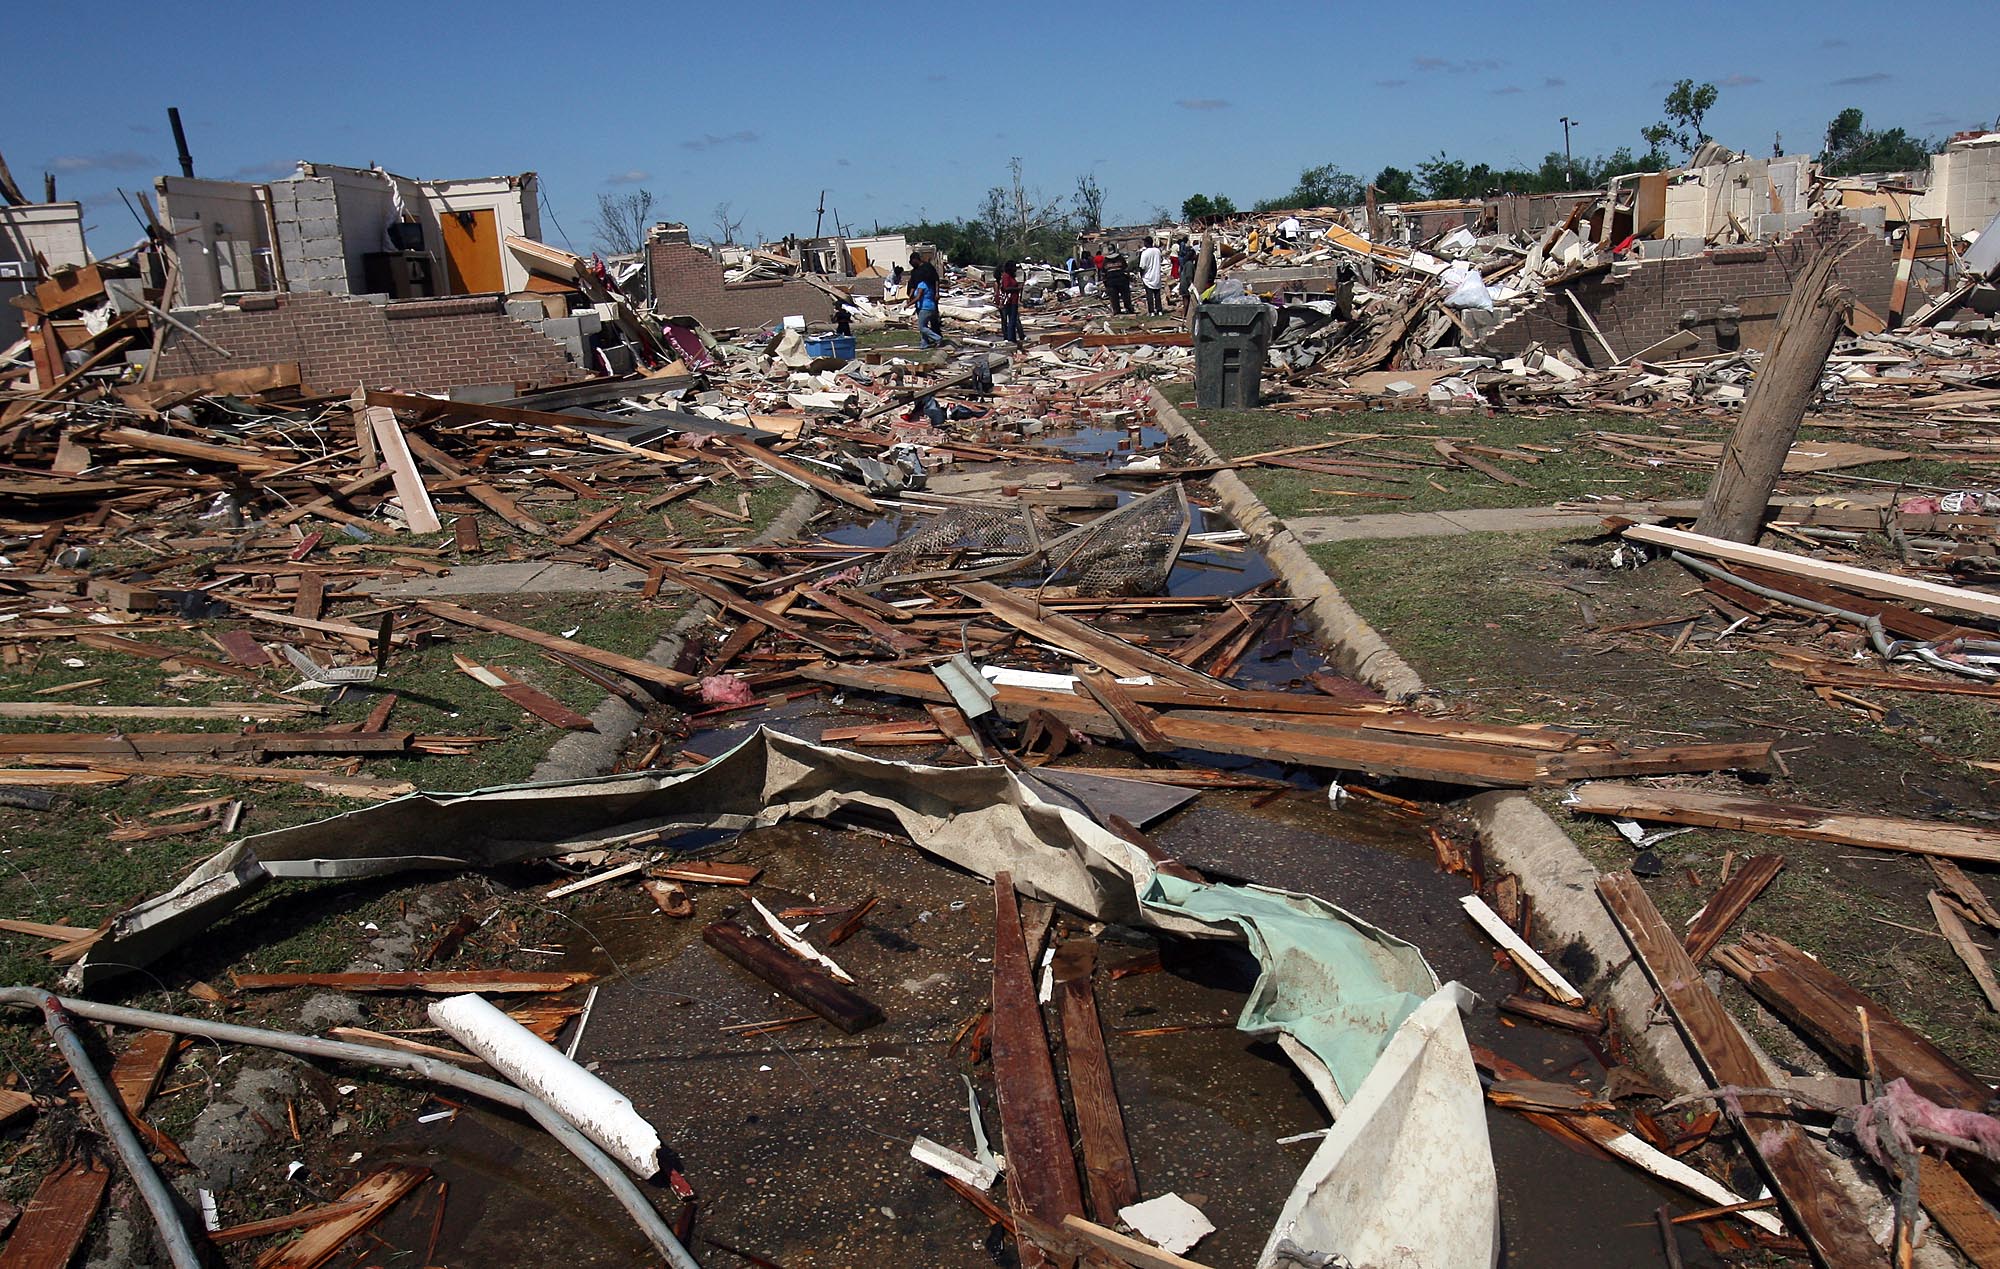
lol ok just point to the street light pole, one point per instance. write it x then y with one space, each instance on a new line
1569 168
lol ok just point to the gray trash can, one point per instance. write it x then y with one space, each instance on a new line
1229 345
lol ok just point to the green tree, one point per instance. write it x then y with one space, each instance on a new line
1851 147
1394 185
1686 106
1197 206
1322 186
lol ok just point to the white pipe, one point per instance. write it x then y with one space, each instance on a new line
599 1111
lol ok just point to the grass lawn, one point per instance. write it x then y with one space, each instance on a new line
1573 470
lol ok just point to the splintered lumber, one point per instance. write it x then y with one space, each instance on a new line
1125 1249
1107 1154
1787 379
435 981
56 1219
247 381
1949 1198
534 700
418 513
108 770
710 873
1582 1021
1961 942
1480 465
1382 748
1041 1169
1823 1006
1728 903
165 744
631 667
1816 1208
1102 650
376 1194
1962 888
1134 719
481 492
137 1072
805 983
799 474
300 1219
1786 819
184 447
1545 976
1846 576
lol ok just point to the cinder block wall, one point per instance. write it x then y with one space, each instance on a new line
1639 306
687 280
340 341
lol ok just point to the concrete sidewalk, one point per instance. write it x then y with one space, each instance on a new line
1436 524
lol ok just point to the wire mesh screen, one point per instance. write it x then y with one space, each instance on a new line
965 537
1129 551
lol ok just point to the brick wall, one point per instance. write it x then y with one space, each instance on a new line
340 341
1639 306
687 280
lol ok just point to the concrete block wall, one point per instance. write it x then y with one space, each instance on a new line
307 213
1640 303
686 279
340 341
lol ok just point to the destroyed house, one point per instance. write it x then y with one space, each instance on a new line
349 231
686 280
35 240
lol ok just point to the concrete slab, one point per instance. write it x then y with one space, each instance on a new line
532 577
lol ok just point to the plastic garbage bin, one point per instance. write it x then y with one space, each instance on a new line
1230 341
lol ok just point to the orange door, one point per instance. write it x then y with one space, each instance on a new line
472 247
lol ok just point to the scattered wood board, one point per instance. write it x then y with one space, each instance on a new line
1041 1167
1110 1179
436 981
376 1193
56 1219
807 984
1787 819
1728 903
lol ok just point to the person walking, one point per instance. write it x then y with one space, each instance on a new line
1007 294
1150 277
1117 280
924 293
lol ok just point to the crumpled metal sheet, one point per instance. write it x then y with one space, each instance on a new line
1336 990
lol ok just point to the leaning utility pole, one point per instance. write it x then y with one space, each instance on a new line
1788 376
1569 168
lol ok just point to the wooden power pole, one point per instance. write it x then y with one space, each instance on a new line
1754 458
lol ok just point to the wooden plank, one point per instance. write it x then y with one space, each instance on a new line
310 603
807 984
1864 580
478 490
1109 1176
418 513
465 534
1728 903
57 1217
534 700
631 667
184 447
377 1193
1788 819
1544 975
563 425
1815 1205
1962 888
1125 1249
137 1072
1139 724
1961 942
1480 465
721 595
228 710
589 525
1041 1169
1952 1201
109 770
1825 1008
435 981
242 382
1582 1021
1102 650
243 648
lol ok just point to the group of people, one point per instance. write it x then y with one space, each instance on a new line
1158 266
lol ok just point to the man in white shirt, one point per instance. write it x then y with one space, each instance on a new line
1150 278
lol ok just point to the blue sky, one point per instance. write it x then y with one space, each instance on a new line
902 111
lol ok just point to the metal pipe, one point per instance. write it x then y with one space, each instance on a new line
111 1114
181 142
629 1195
1877 635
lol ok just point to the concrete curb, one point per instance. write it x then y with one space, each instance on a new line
1358 650
1517 833
579 755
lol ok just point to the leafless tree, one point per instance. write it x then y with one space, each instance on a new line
1088 204
725 227
622 221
